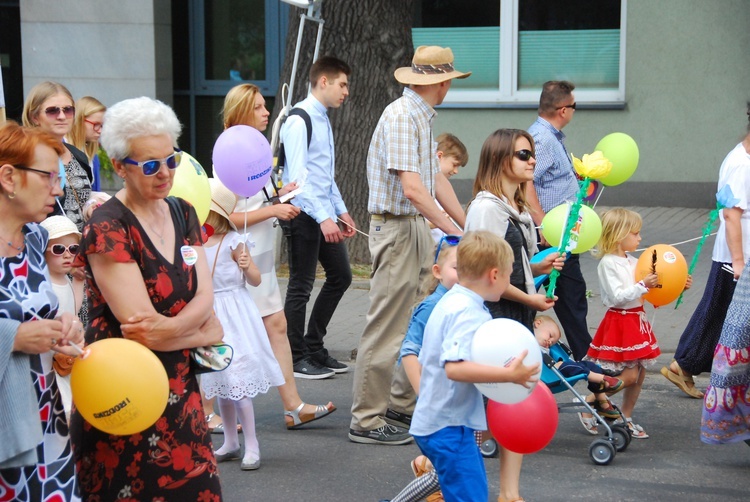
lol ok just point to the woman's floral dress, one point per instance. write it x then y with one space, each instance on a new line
173 459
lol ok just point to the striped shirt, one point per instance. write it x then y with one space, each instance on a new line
554 178
402 141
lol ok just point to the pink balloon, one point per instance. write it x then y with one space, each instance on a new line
525 427
243 160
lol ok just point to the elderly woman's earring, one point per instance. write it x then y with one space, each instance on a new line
12 195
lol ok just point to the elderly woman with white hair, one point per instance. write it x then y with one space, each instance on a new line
149 281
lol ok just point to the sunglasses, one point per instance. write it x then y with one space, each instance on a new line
524 155
55 178
151 167
450 240
54 111
97 126
573 106
59 249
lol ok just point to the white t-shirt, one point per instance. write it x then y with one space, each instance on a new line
734 172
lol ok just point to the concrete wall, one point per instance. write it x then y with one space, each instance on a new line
109 50
687 74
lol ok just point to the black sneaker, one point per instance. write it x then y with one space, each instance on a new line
386 435
310 370
393 417
333 365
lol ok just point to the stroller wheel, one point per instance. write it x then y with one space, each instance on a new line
489 449
620 437
602 452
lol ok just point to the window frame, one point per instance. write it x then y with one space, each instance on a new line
509 96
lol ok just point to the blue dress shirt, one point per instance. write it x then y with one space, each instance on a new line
554 178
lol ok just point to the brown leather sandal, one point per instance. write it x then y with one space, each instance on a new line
685 383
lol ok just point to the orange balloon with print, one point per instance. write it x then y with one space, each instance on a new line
671 270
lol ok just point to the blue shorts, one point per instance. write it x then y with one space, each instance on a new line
458 462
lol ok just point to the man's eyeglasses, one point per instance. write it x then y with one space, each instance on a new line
151 167
54 111
451 240
97 126
54 178
59 249
573 106
524 155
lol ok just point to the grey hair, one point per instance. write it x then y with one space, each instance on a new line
136 118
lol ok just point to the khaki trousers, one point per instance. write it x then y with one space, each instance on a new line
401 250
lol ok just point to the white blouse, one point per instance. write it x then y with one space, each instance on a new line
617 282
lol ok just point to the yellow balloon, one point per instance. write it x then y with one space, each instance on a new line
120 387
191 183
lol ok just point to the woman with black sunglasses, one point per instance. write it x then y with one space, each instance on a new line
149 281
50 107
506 164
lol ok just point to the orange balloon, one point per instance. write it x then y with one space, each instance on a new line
671 270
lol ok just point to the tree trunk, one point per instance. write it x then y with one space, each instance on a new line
374 38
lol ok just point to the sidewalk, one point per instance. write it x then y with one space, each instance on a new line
660 226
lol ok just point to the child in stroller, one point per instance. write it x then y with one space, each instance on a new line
547 333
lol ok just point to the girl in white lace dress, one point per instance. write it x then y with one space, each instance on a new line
254 368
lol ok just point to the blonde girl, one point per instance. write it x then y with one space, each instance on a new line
85 133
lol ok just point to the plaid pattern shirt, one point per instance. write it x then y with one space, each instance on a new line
402 141
554 178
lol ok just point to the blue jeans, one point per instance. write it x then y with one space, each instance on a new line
307 246
458 463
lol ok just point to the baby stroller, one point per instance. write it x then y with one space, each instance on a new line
602 451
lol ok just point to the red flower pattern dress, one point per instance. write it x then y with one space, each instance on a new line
173 459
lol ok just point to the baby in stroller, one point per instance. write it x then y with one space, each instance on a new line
547 333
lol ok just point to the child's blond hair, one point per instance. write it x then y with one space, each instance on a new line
220 224
451 146
617 223
479 251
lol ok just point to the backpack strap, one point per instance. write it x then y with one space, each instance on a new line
281 157
177 213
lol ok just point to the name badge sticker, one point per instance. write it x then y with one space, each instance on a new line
189 255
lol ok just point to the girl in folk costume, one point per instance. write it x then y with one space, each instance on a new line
254 368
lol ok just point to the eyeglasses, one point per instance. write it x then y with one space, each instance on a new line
54 111
573 106
524 155
54 178
97 126
59 249
451 240
151 167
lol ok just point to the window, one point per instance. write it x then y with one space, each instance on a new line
513 46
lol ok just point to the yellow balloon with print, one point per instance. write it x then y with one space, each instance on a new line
191 183
589 231
119 386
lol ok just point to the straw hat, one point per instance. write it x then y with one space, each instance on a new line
223 200
430 65
59 226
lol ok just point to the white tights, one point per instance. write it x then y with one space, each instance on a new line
242 409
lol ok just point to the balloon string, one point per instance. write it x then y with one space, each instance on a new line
244 230
353 228
597 197
36 316
682 242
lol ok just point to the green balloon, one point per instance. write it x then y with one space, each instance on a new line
622 151
554 222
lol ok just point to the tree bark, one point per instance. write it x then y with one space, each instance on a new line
374 38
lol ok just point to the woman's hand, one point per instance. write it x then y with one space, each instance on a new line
289 187
147 328
38 337
540 302
72 329
285 212
549 262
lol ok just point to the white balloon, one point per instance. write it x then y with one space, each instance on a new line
497 343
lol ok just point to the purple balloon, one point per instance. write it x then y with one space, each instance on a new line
243 160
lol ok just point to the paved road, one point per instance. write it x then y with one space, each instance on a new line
321 464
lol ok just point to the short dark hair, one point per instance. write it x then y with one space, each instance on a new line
329 66
553 94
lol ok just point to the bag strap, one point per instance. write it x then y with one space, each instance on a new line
308 126
520 231
216 258
174 206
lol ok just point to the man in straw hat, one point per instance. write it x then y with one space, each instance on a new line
405 179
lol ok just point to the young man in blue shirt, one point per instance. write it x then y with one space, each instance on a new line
314 235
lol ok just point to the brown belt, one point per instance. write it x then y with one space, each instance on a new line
388 216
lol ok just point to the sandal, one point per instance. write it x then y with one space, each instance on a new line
636 431
216 429
685 383
605 409
589 424
296 418
419 466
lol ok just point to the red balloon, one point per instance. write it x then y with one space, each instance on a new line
525 427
